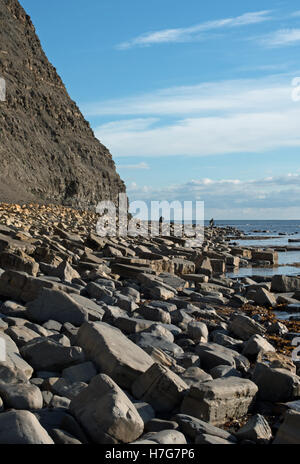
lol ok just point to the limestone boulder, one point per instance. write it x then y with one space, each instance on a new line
22 428
160 387
106 413
58 306
113 353
220 400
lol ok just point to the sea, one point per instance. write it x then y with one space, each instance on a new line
280 231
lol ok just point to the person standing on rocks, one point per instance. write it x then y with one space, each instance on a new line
161 220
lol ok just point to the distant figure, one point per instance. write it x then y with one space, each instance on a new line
161 220
212 223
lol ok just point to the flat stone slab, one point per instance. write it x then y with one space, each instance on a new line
113 353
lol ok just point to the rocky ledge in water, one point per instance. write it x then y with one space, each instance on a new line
138 340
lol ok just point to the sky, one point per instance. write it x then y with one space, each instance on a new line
195 100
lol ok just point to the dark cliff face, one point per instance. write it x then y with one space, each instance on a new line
48 151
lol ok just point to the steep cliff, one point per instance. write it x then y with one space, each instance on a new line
48 151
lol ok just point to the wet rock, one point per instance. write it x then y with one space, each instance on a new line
285 284
277 328
262 297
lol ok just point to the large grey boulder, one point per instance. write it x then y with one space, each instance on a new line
113 353
153 313
64 388
58 306
22 428
45 354
21 396
255 345
22 287
263 297
224 371
225 340
13 357
80 372
194 376
276 384
289 431
11 373
256 429
106 413
132 325
147 341
285 284
244 327
220 400
21 334
213 355
160 387
98 291
197 331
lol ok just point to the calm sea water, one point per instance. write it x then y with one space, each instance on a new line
290 229
274 227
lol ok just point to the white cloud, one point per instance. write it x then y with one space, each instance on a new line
141 165
282 37
193 32
231 95
269 197
242 116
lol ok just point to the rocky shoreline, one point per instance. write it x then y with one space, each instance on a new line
140 340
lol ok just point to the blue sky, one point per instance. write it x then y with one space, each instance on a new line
194 99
